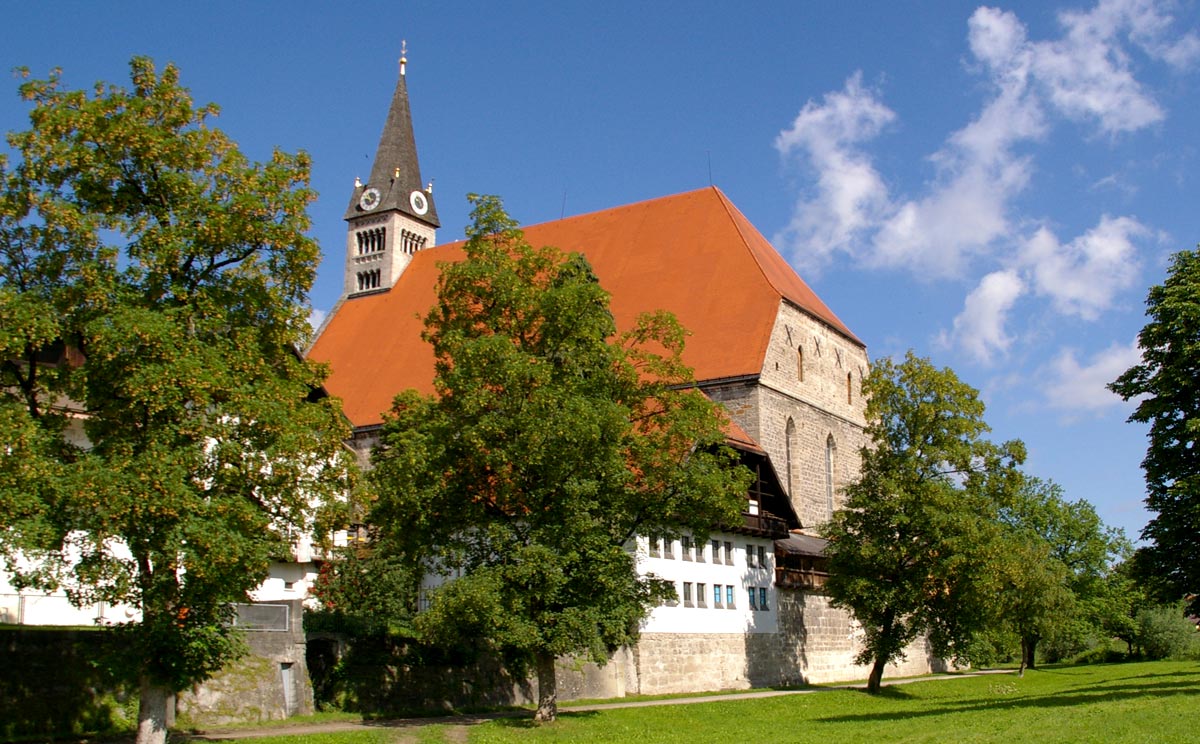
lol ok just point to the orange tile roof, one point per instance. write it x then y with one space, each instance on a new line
694 254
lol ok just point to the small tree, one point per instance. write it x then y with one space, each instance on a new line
551 444
160 447
1058 557
913 550
1167 384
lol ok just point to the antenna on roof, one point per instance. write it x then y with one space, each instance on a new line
403 55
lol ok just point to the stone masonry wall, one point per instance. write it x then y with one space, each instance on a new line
816 644
692 662
824 640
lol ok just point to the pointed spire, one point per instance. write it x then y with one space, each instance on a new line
395 172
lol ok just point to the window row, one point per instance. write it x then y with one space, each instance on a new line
696 595
371 241
410 242
758 598
715 551
368 279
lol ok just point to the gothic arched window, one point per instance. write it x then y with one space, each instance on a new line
830 452
790 448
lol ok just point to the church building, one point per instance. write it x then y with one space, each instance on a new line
788 371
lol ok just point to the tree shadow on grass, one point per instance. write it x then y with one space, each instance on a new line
527 722
890 693
1081 696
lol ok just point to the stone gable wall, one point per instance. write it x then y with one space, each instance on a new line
817 406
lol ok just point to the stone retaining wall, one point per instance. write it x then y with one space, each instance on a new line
816 644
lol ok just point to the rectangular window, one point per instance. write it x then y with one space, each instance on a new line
687 594
716 545
654 553
685 547
762 598
762 557
699 595
728 553
729 596
668 548
716 595
699 550
750 556
753 604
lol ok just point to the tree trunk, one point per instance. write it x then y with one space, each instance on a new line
152 713
1028 653
886 627
547 709
875 681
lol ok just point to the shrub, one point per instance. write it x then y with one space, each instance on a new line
1163 632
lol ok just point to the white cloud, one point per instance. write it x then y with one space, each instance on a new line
316 318
980 328
1085 75
1149 25
965 211
1081 388
850 196
1082 277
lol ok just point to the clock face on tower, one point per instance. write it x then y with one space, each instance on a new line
418 201
369 199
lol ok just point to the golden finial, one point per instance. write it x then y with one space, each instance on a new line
403 55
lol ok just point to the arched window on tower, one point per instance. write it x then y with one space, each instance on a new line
371 241
368 279
830 452
800 363
849 388
410 242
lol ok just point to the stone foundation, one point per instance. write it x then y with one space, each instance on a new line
816 644
269 683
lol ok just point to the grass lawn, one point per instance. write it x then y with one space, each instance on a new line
1144 702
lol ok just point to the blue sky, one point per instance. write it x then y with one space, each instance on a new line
995 187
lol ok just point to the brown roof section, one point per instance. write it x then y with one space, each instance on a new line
694 254
736 437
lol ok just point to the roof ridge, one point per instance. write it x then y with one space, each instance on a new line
823 314
733 213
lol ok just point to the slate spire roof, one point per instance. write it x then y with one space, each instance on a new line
694 254
395 171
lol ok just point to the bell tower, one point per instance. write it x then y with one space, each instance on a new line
392 215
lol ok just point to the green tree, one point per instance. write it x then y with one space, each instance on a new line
364 592
551 443
912 552
1167 381
163 442
1058 557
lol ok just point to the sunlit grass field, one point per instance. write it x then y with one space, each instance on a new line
1142 702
